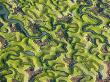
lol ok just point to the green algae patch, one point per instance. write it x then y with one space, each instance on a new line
54 41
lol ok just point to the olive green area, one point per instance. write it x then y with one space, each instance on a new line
54 40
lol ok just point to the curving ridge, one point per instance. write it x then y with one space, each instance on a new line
54 41
4 15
